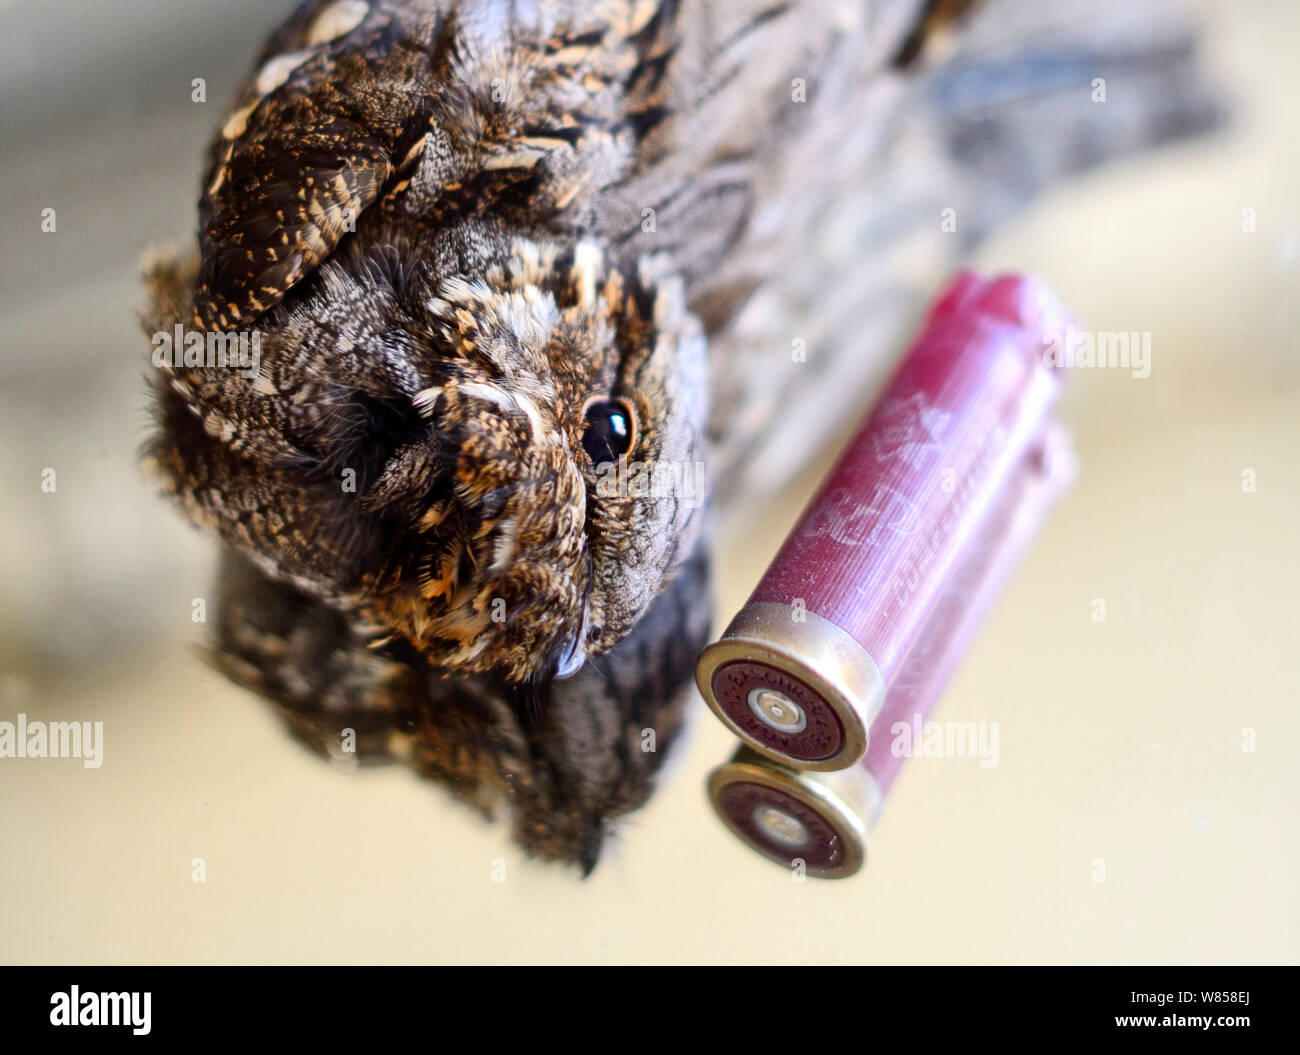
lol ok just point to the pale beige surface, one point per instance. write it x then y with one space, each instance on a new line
1119 741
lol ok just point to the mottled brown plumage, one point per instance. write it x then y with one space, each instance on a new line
561 765
463 231
414 444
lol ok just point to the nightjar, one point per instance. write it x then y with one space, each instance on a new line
491 250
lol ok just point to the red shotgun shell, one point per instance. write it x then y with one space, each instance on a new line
823 818
804 667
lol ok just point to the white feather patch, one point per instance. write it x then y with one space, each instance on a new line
337 19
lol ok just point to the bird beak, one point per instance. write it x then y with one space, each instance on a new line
575 655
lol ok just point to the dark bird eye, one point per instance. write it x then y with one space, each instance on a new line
608 430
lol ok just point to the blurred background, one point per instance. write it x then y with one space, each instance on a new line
1161 742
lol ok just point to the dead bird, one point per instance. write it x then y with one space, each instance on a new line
490 249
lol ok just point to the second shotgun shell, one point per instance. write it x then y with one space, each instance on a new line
822 819
802 670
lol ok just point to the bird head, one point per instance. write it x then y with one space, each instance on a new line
490 446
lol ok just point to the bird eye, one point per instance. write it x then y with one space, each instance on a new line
608 431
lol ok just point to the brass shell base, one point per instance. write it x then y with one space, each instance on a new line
834 809
836 682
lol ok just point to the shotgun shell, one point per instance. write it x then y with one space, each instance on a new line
823 818
804 667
